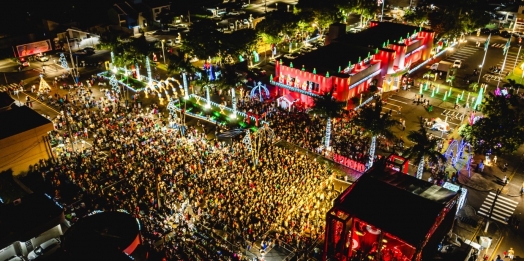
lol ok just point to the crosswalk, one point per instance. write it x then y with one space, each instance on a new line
498 45
463 53
453 115
510 61
5 88
503 209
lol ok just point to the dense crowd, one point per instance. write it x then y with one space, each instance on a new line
308 131
196 200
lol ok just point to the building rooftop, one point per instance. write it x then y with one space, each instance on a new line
330 58
399 204
20 119
27 217
376 36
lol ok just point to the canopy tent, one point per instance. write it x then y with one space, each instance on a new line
286 101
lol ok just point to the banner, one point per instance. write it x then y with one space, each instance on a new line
352 164
34 48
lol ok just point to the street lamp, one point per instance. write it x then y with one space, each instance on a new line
276 6
163 53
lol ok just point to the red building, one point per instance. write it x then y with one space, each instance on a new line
388 215
349 63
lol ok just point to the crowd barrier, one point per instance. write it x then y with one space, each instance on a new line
352 164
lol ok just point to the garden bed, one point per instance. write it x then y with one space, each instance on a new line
195 107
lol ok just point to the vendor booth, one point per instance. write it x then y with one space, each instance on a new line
388 215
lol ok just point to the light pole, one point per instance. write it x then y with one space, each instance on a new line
276 6
163 53
516 60
522 76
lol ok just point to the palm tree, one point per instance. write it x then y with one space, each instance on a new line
424 147
375 123
328 107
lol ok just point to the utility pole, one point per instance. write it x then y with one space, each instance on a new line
491 209
73 72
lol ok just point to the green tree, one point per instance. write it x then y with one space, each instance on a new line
502 127
423 147
203 40
241 42
375 123
326 106
418 17
179 63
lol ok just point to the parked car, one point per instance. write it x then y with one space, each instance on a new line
457 64
89 50
41 57
232 26
505 34
485 31
259 71
495 32
24 62
79 53
244 5
245 21
44 249
233 13
289 56
169 42
177 40
434 66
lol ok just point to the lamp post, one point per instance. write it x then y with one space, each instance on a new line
163 53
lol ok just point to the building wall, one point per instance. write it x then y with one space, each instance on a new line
21 150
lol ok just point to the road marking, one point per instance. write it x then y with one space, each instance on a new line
397 100
503 209
492 257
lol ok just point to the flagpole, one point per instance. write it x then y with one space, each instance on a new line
486 44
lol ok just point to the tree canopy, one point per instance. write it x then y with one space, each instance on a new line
501 129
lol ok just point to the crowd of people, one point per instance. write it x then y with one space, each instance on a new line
195 199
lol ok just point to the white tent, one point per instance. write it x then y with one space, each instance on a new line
286 101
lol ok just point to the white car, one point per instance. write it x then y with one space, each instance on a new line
177 40
232 26
434 66
457 64
440 125
44 249
169 42
234 13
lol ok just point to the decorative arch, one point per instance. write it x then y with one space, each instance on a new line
259 89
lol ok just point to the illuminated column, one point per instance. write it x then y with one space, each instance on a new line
112 58
138 72
148 67
184 80
234 103
208 105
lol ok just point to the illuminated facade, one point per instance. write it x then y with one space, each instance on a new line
350 63
388 215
